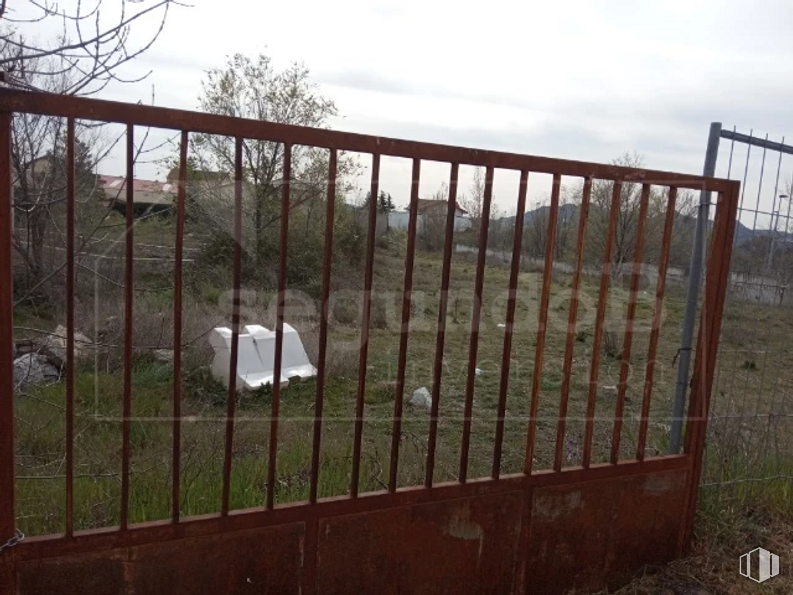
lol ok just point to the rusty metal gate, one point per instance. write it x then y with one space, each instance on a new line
540 531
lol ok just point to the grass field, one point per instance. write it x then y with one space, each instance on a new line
746 382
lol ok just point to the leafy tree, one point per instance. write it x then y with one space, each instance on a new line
385 203
252 88
473 200
628 205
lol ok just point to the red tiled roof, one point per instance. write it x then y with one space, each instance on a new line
119 183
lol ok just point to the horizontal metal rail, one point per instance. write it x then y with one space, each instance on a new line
157 117
757 142
240 520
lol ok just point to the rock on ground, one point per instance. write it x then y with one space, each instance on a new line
421 398
34 368
56 343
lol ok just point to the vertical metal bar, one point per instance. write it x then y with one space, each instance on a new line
327 265
605 279
279 326
509 324
761 290
231 398
539 352
128 325
732 149
759 188
7 505
789 204
663 264
745 173
437 370
567 366
746 168
70 327
770 256
396 431
692 297
713 308
365 324
627 340
177 330
701 354
475 316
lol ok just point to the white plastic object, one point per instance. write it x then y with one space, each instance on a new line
256 354
294 359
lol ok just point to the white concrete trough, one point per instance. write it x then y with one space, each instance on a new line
255 359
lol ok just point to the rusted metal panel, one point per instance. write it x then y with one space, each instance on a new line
258 561
646 528
596 535
583 535
456 547
98 573
7 574
158 531
469 536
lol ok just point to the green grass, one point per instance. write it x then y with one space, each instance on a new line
41 419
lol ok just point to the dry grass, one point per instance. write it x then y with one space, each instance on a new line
712 567
739 391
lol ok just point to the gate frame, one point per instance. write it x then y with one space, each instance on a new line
98 540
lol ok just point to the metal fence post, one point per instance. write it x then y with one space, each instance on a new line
7 509
695 274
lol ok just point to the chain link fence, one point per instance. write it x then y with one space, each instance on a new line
749 453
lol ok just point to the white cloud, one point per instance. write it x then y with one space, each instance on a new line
578 79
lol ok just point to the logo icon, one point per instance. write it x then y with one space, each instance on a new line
759 565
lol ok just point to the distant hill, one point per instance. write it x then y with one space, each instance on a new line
569 211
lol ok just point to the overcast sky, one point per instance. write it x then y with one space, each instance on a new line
582 80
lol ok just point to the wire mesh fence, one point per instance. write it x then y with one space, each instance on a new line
749 457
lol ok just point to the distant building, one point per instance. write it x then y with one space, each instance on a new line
146 194
428 206
430 213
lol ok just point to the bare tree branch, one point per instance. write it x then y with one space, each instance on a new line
91 48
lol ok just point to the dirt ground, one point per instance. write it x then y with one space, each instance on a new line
713 566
